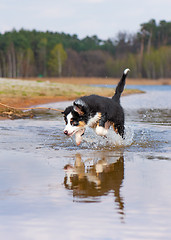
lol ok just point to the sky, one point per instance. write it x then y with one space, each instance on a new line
103 18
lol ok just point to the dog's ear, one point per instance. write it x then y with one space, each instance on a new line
79 110
80 107
67 110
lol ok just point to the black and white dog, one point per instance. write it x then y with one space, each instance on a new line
96 112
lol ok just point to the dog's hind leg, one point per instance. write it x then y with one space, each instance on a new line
119 129
115 129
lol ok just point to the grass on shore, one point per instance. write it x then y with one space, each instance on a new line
26 88
24 93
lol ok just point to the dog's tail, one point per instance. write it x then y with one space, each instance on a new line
120 86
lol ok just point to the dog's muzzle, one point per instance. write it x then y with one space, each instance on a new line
66 132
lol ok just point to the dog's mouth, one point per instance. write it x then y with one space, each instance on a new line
71 134
81 131
78 135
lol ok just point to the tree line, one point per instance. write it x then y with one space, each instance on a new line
50 54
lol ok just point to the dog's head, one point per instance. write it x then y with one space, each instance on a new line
76 120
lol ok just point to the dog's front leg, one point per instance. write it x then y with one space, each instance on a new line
100 129
78 136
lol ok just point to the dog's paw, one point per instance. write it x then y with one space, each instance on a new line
78 136
101 131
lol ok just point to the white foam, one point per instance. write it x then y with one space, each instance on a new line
91 139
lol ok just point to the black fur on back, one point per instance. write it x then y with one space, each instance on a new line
110 109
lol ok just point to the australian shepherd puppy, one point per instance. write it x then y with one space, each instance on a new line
96 112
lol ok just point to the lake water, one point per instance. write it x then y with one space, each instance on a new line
104 189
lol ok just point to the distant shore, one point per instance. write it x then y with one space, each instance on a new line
106 81
35 91
29 92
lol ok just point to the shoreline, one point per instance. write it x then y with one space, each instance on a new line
18 102
23 93
17 93
103 81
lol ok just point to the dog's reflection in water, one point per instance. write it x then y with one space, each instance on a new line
89 182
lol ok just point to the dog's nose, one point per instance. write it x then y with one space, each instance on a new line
66 132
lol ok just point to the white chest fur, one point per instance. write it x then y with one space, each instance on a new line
93 121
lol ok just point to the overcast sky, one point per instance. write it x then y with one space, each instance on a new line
104 18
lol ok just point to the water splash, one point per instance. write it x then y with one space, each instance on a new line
112 140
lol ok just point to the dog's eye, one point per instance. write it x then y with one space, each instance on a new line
74 123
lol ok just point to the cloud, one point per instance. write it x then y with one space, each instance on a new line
89 1
104 18
93 1
56 12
